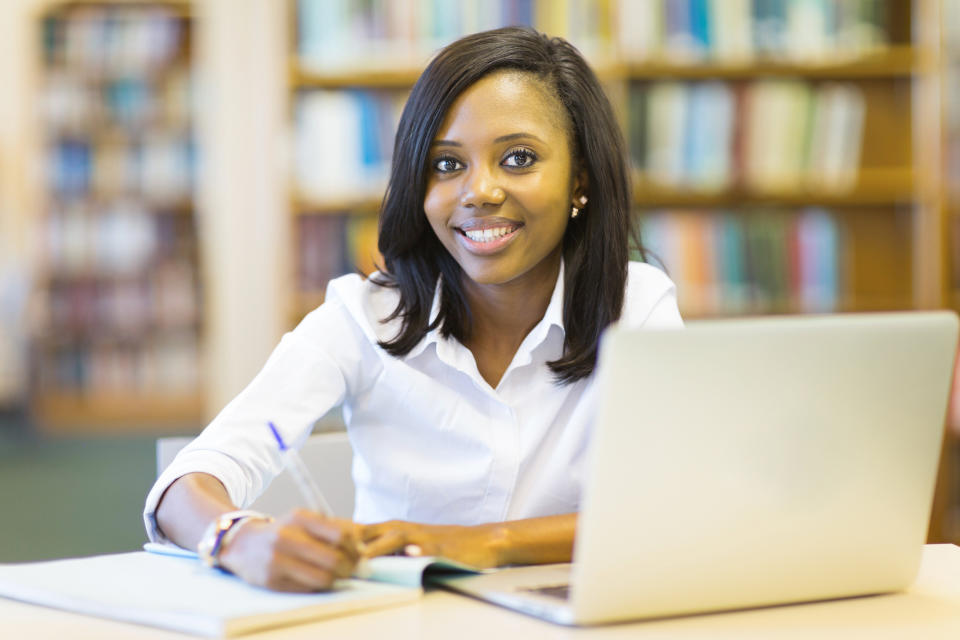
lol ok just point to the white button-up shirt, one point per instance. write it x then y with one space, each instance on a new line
433 441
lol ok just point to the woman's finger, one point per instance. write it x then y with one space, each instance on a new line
299 544
389 542
333 530
302 576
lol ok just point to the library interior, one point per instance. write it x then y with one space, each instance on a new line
180 179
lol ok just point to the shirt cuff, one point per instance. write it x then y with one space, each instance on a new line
217 464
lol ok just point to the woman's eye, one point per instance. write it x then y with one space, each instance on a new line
520 158
446 165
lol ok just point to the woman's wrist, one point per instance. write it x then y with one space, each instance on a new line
499 542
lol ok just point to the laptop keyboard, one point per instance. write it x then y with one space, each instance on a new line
561 591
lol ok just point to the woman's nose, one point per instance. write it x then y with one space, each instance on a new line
480 189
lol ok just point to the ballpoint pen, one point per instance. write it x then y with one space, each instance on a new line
301 475
309 489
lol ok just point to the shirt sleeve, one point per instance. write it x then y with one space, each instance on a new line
311 370
651 300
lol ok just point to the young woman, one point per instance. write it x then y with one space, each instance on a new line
464 368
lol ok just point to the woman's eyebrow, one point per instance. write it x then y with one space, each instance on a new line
506 138
514 136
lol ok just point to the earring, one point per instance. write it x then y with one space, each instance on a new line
573 212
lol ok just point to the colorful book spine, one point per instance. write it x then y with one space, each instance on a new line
727 263
767 135
344 143
739 31
332 245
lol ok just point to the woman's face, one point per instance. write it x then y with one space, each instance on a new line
501 179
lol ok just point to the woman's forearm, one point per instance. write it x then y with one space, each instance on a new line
189 505
534 540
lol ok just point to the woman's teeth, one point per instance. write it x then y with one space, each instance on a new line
487 235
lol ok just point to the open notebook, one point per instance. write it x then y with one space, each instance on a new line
174 591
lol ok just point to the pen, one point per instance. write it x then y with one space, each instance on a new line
311 492
301 475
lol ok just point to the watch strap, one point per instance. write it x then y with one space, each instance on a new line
217 534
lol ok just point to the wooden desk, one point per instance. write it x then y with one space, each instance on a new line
929 610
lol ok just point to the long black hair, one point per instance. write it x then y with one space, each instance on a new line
596 243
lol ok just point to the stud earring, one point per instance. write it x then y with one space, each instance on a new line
574 212
583 201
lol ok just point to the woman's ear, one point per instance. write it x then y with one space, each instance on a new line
581 186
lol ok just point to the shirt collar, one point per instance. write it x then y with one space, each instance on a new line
553 316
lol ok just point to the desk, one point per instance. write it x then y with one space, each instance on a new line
929 610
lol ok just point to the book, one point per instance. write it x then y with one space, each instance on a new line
765 135
753 261
174 591
740 31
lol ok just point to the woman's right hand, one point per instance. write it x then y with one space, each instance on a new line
304 551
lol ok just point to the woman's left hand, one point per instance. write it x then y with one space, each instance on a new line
478 546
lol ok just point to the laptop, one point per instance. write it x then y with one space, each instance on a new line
748 463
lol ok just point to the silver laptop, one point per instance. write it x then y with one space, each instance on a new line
746 463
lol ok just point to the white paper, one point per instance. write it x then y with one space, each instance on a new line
180 593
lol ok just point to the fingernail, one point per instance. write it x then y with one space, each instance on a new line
413 550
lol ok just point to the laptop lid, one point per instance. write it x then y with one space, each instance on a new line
752 462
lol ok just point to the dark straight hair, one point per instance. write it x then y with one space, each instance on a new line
596 243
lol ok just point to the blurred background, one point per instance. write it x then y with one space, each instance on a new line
179 180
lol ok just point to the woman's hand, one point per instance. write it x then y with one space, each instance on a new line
478 546
305 551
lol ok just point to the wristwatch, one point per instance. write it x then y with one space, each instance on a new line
218 534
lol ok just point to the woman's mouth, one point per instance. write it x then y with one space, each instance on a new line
489 238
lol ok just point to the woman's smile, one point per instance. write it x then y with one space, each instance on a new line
487 236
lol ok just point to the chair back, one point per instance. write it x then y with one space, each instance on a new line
327 455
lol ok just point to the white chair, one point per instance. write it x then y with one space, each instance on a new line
327 455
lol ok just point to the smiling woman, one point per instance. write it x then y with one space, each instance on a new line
543 144
465 366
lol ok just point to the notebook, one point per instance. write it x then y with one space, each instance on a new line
175 591
747 463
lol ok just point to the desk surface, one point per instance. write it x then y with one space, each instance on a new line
930 609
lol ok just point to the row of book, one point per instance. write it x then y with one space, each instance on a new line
722 262
154 168
332 245
330 33
70 102
163 364
768 134
123 309
114 38
728 263
123 239
740 31
405 32
344 142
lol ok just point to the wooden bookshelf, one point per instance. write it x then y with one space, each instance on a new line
117 324
895 62
877 188
65 412
946 521
889 222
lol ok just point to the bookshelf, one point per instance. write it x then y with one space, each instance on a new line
833 193
822 68
118 311
949 524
